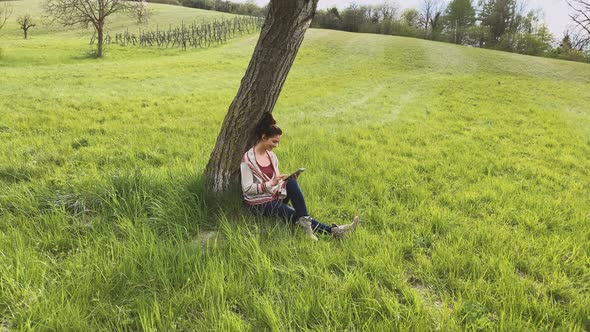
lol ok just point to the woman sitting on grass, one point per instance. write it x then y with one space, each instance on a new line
268 192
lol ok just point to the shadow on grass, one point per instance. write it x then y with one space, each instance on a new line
229 203
88 55
170 204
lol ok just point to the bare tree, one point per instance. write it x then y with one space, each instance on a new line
95 12
143 12
25 22
281 35
581 17
427 9
387 10
5 12
436 24
431 15
580 41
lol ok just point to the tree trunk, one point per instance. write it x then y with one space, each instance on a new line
25 30
279 41
100 41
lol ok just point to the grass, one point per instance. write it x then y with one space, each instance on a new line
469 168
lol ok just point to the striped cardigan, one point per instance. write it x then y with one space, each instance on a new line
256 186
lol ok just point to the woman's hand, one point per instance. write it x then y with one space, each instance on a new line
277 179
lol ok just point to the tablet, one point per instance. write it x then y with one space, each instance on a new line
296 173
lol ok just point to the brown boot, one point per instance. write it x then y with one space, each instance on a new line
305 223
338 232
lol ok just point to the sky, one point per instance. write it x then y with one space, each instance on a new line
556 11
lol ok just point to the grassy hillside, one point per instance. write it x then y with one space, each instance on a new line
469 168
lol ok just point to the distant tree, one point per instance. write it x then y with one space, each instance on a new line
411 17
142 12
571 49
435 20
387 10
353 17
372 19
436 24
280 38
427 9
533 36
327 19
476 35
25 22
502 18
460 16
5 13
494 18
581 18
250 8
202 4
579 41
95 12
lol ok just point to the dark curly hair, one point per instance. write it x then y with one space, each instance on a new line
267 127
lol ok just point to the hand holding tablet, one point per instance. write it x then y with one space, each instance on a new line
295 174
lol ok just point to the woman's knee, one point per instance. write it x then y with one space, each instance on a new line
292 183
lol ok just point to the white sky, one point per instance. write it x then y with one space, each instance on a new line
556 11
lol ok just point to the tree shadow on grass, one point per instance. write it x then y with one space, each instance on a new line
87 55
230 204
170 205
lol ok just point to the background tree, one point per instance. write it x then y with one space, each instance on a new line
411 17
280 38
533 36
95 12
581 18
503 20
436 25
579 40
25 22
353 17
571 48
499 17
386 11
142 12
328 19
5 12
460 16
430 14
437 20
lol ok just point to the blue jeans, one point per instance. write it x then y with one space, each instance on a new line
279 208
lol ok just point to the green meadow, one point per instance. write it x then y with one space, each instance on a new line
470 170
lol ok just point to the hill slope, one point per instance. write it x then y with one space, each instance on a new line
469 169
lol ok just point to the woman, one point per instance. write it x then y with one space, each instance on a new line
268 192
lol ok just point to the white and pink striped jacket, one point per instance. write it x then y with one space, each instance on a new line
257 186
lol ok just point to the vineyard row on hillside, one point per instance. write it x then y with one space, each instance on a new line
188 35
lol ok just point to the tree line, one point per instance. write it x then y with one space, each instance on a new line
505 25
249 7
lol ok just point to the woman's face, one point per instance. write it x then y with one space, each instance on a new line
270 143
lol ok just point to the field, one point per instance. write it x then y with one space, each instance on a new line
470 170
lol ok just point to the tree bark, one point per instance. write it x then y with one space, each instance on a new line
100 41
281 35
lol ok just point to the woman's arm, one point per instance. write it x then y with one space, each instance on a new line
248 185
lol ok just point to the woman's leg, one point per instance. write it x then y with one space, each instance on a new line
276 208
295 195
322 228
